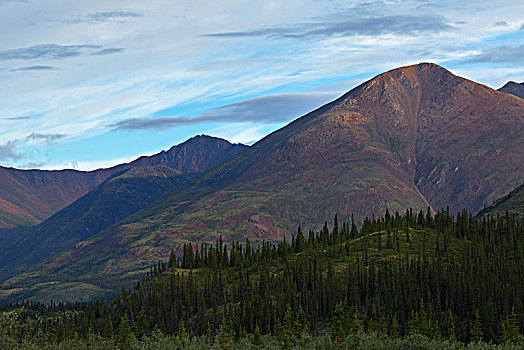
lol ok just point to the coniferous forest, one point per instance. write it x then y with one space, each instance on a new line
410 281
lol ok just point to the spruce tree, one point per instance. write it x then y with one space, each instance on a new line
125 335
476 330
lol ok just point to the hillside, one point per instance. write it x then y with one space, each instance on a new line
512 203
411 137
415 276
27 197
513 88
121 195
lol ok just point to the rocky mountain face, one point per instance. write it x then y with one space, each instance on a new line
28 197
196 155
415 136
513 88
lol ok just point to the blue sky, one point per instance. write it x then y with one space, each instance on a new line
88 84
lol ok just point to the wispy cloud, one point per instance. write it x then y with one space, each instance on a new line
37 68
8 151
344 26
46 51
33 165
512 55
108 51
4 2
106 16
263 110
25 116
19 118
44 138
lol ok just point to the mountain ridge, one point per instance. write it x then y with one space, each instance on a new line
27 197
408 137
121 195
513 88
512 203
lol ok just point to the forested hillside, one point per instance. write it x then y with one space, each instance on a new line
398 277
513 203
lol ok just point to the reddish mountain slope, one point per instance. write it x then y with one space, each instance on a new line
28 197
411 136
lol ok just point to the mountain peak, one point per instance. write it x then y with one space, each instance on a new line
513 88
424 69
195 155
409 81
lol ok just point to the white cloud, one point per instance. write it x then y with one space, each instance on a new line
91 164
240 133
83 66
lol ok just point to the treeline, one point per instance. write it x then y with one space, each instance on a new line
441 277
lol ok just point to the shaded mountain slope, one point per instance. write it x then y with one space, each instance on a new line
28 197
410 137
512 203
121 195
513 88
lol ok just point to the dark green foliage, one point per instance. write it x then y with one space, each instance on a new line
476 329
125 335
330 282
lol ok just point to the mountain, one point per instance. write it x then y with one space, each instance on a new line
513 203
196 155
28 197
411 137
121 195
513 88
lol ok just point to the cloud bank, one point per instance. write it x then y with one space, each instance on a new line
263 110
394 24
513 55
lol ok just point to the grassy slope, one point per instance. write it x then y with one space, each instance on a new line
513 203
93 284
121 195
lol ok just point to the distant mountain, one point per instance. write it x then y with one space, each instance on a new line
513 88
513 203
121 195
196 155
411 137
28 197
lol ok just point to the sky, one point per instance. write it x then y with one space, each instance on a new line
90 84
